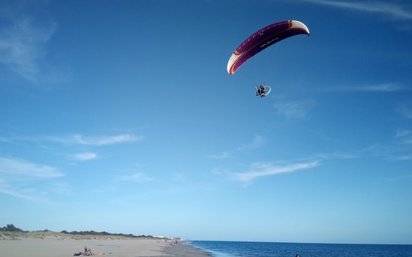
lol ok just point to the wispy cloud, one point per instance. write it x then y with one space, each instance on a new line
96 140
401 177
85 156
22 42
389 10
337 155
405 111
178 176
400 151
78 139
136 177
257 141
260 169
401 158
402 132
3 139
126 138
60 188
19 192
17 177
26 168
224 155
219 171
404 135
296 109
386 87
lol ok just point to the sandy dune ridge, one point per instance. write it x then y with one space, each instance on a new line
55 244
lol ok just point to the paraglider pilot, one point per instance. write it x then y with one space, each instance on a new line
260 91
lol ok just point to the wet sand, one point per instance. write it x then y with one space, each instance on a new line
185 250
65 247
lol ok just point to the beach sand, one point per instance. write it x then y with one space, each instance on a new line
65 246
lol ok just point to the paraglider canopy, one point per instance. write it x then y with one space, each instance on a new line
262 39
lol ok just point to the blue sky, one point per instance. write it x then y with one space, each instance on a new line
121 117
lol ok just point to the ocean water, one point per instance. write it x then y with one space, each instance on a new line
257 249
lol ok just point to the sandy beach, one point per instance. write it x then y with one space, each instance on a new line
59 245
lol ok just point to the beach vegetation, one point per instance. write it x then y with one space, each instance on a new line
103 233
11 227
10 232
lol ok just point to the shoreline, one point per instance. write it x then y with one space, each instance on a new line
181 250
57 245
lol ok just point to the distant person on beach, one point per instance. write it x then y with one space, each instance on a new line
87 251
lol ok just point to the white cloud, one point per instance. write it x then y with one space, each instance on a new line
78 139
402 132
297 109
258 141
405 111
224 155
27 193
266 169
387 87
336 155
25 179
137 177
95 140
85 156
178 176
107 140
26 168
3 139
401 178
404 135
401 158
22 43
219 171
60 188
388 9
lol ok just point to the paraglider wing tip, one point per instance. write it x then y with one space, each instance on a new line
231 69
300 25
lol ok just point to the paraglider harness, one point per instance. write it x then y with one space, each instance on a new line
261 91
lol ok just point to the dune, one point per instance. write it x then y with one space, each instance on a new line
44 244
